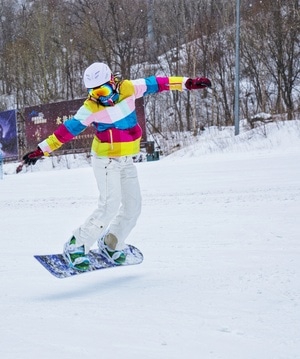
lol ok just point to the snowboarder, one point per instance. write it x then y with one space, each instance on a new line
110 107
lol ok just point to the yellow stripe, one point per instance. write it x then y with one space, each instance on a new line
175 83
53 142
104 149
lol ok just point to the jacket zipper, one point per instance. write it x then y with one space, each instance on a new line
111 140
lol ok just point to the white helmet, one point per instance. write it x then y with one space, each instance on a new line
96 75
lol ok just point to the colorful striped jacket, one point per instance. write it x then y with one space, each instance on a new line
117 130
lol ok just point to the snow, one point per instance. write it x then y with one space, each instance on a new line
220 235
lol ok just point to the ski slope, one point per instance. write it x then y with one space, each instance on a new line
219 232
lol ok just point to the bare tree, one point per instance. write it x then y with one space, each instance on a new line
45 46
272 54
114 32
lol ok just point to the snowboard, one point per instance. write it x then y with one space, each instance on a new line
58 265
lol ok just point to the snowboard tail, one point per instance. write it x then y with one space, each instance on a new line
59 266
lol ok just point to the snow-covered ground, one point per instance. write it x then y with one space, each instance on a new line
220 280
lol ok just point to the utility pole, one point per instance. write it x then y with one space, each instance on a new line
237 72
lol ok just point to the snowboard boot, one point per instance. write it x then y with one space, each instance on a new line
107 245
76 256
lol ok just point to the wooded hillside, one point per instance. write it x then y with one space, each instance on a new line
45 46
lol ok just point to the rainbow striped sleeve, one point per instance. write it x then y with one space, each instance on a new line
64 133
153 84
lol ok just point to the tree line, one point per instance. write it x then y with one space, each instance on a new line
45 45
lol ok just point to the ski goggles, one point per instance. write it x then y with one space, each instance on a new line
105 90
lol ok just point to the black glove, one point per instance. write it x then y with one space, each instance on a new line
197 83
31 157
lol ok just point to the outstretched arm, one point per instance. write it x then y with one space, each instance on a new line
182 83
64 133
155 84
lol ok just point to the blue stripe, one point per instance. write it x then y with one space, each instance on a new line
152 86
74 126
123 124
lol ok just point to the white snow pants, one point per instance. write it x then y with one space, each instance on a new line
119 204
